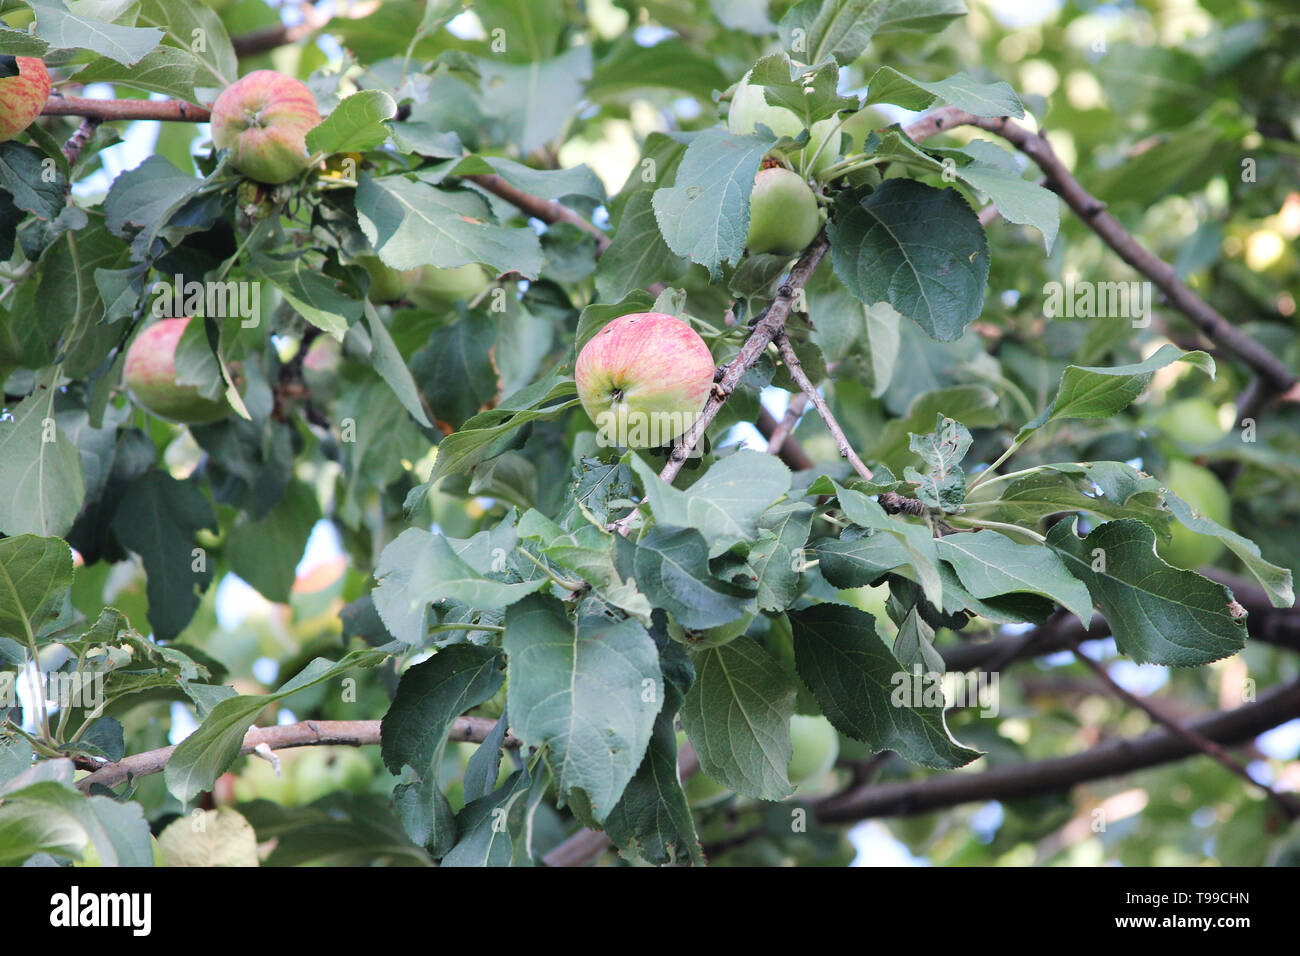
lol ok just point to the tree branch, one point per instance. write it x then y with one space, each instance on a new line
768 326
1114 758
308 733
1199 741
1093 212
795 368
110 110
547 210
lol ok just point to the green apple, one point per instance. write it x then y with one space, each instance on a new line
1192 422
783 213
23 96
644 379
149 375
863 123
1201 489
815 747
435 288
710 637
262 121
749 108
321 771
386 283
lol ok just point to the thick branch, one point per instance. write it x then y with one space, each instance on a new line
1114 758
1093 212
308 733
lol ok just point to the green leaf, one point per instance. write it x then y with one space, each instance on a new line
990 564
62 29
778 553
810 95
1276 581
265 553
1156 613
430 696
41 483
1089 392
35 578
533 101
725 504
859 684
413 224
27 828
652 820
355 125
181 23
944 449
920 249
22 176
157 519
496 829
392 368
916 540
316 296
589 694
887 85
704 215
165 69
672 570
629 67
208 752
419 567
477 438
737 716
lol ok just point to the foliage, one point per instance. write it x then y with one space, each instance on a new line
499 562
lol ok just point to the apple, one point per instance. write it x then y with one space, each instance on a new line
783 214
749 108
386 283
815 747
1192 421
1201 489
150 378
262 121
644 379
22 97
710 637
436 287
320 771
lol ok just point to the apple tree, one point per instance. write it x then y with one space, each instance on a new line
708 425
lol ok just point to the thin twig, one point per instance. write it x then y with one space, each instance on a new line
793 412
795 368
355 733
78 140
1287 805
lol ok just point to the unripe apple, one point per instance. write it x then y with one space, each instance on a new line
1192 422
262 120
644 379
436 287
386 283
783 214
22 97
815 746
150 378
712 636
749 108
1201 489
